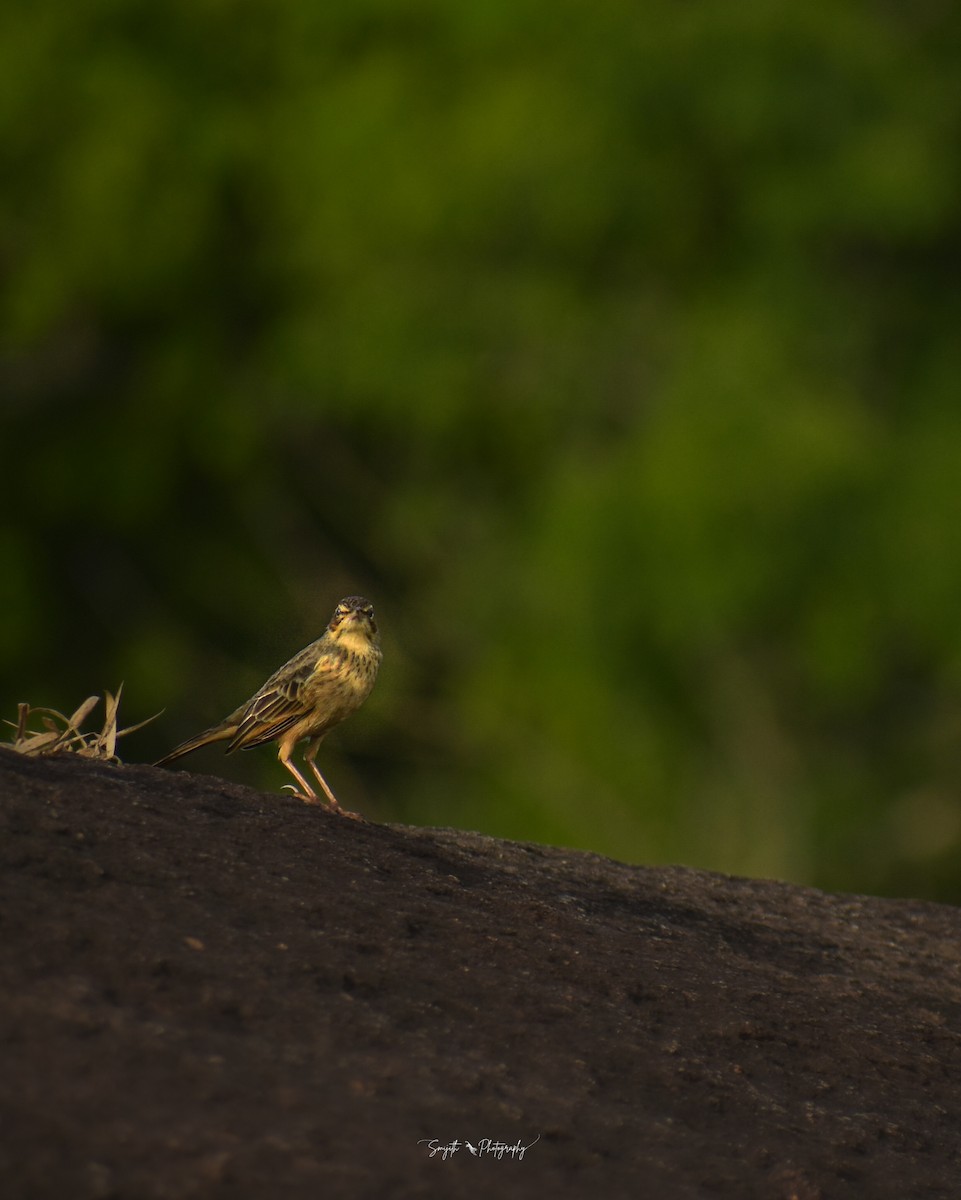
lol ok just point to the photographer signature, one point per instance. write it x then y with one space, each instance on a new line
480 1149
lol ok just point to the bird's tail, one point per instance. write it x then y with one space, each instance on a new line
219 733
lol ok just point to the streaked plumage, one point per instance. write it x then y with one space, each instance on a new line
320 686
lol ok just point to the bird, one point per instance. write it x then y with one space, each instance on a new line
317 689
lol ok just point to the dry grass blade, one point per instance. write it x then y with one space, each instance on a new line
38 743
83 712
109 735
23 712
63 735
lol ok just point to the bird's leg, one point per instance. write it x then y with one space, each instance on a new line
309 755
306 793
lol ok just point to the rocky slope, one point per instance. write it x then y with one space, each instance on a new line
210 992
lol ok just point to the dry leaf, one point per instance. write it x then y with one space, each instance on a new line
62 735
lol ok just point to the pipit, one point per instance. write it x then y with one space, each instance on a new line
307 697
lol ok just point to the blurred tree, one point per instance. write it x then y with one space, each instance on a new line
613 354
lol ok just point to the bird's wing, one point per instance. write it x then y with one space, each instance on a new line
279 704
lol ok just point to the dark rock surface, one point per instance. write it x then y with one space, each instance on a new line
208 991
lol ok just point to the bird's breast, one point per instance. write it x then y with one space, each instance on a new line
343 679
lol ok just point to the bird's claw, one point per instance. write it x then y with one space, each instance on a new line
310 798
307 797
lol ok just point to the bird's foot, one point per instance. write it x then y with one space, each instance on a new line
314 799
307 797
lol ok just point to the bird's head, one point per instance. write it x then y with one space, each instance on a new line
353 619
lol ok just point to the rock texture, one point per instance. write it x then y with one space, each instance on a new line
210 992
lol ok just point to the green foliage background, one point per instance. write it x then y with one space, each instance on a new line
612 350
